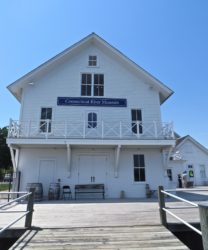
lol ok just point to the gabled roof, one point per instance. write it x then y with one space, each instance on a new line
182 140
93 38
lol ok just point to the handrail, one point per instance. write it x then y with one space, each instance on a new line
13 222
13 192
203 211
179 198
27 214
15 200
183 221
185 189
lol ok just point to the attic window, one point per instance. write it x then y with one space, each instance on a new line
92 61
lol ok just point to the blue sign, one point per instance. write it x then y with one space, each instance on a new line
87 101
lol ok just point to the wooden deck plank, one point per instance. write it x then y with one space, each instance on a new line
141 237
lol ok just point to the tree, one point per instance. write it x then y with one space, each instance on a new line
5 158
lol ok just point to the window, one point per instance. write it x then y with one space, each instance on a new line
139 168
86 87
98 84
95 80
92 120
136 117
169 174
45 120
92 61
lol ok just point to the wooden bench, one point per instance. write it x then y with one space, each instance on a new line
90 189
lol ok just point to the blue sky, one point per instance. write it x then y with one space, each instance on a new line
168 38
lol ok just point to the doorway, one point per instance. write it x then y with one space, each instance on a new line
46 174
92 169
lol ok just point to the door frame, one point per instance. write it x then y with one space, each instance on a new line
54 172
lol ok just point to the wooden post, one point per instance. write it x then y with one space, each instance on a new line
203 212
28 219
161 200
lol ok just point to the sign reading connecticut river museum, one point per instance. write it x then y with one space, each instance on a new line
87 101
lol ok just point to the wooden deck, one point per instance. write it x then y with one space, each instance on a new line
109 224
108 238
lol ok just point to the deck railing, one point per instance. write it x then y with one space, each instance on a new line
203 212
84 130
25 213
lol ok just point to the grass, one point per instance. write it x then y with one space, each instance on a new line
4 187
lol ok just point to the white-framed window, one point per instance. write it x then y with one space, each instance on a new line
92 84
98 85
92 120
45 120
139 168
92 61
136 118
86 85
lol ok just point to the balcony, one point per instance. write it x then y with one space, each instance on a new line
47 129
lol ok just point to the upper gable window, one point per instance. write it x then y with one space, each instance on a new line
86 86
92 61
92 85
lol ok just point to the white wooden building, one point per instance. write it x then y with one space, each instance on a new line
91 115
192 157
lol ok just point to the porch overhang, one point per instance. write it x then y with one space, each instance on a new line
90 143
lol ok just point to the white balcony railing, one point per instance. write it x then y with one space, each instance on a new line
103 130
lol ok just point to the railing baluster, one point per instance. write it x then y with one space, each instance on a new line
155 129
29 127
102 129
47 126
120 129
84 129
65 129
172 130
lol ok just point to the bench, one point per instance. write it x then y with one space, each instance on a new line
90 189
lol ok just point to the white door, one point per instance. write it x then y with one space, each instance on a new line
92 169
46 174
203 175
85 169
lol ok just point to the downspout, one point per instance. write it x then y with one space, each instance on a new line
17 157
13 158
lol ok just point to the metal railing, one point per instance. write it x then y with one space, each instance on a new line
25 213
82 129
203 212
